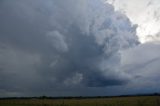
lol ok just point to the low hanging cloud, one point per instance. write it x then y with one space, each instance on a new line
143 66
57 44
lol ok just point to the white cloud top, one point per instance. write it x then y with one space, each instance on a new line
144 13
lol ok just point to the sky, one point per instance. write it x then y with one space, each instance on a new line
144 13
79 47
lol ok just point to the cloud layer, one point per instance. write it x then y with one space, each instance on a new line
142 62
55 46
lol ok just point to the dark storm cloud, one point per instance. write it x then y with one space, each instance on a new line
55 46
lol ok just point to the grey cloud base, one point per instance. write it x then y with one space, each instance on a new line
61 47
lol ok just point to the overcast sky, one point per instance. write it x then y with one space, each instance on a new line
79 47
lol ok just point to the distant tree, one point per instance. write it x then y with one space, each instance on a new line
43 97
156 94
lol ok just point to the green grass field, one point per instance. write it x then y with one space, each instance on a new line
117 101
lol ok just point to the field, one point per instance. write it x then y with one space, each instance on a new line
116 101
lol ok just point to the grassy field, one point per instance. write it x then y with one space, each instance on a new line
116 101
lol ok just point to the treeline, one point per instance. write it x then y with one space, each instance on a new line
79 97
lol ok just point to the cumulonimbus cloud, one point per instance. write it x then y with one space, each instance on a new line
61 43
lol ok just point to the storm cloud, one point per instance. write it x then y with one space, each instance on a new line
57 45
142 61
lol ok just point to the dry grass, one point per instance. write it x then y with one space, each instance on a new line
119 101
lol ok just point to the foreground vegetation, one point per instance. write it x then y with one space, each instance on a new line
115 101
